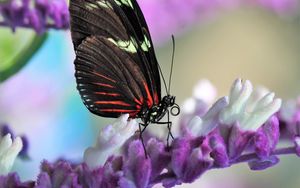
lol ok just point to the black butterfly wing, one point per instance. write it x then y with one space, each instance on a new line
109 81
90 17
112 71
133 16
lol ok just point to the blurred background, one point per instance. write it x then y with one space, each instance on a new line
216 40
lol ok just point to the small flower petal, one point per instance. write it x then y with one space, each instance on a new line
297 144
250 111
197 164
258 93
138 167
202 126
9 151
266 138
260 116
159 157
237 141
263 163
5 143
110 139
180 152
219 150
61 174
190 158
13 180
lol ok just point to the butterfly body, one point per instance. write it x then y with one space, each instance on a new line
116 68
157 112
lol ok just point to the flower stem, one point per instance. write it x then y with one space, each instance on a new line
253 156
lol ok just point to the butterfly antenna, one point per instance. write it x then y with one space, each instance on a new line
172 64
163 78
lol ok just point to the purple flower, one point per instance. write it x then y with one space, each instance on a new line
267 137
263 163
282 7
13 180
297 144
190 158
236 120
36 14
174 17
137 168
60 174
241 128
219 150
110 139
289 116
159 157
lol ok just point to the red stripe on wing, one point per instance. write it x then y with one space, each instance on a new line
117 110
105 77
104 85
140 102
149 97
107 94
121 103
156 98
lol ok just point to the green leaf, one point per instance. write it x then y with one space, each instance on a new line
16 50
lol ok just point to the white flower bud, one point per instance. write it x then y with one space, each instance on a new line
9 150
110 139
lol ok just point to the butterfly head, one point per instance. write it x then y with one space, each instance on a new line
168 100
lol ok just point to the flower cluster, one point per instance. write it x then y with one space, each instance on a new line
169 16
289 116
281 7
163 17
245 126
36 14
172 16
13 180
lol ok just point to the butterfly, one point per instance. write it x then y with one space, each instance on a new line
116 68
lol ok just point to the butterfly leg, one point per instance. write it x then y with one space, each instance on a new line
141 137
169 126
169 123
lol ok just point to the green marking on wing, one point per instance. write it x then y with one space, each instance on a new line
104 4
146 44
131 45
92 6
124 2
128 46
